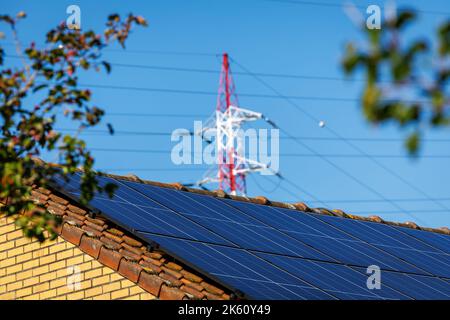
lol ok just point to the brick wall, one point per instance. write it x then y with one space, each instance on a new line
56 270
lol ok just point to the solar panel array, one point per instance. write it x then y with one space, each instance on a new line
267 252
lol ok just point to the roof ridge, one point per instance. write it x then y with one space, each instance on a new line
300 206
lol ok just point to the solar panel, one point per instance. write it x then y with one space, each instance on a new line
338 280
238 228
397 243
131 210
240 269
416 286
316 233
277 253
440 241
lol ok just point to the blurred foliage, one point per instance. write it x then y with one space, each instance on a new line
50 76
398 86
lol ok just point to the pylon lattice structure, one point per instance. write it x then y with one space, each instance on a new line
227 123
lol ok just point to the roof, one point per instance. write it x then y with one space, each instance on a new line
152 269
279 260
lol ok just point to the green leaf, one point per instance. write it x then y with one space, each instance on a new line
412 143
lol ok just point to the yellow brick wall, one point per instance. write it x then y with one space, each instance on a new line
56 270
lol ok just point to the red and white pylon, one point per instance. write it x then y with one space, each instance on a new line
227 123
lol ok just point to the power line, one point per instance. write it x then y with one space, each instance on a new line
408 212
210 93
306 138
140 51
294 155
336 5
155 115
391 199
343 171
149 169
210 71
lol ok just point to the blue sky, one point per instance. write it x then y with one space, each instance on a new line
265 37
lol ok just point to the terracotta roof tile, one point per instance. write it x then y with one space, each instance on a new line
95 226
130 255
212 289
261 200
75 215
150 283
91 246
302 206
56 211
170 280
134 250
130 270
191 277
116 232
195 293
339 213
169 293
376 219
56 205
110 244
97 221
153 255
39 196
72 234
173 266
44 191
92 232
59 200
445 230
110 258
212 296
412 225
73 221
150 267
113 237
132 242
153 261
191 284
76 209
172 272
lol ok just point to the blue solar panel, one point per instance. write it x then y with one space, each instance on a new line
240 269
277 253
440 241
377 233
415 286
133 211
316 233
397 243
338 280
228 222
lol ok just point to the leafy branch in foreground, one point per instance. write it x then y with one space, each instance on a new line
49 77
399 86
